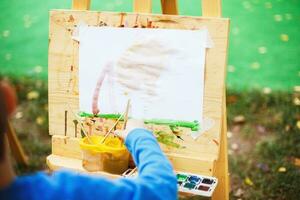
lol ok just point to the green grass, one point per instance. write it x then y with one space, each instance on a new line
264 39
268 139
263 140
31 122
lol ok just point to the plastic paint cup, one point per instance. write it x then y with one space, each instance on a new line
112 156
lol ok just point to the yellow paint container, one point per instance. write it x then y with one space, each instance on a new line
112 156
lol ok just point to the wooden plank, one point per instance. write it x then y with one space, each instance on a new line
15 145
221 166
56 162
142 6
63 73
169 7
81 4
211 8
68 147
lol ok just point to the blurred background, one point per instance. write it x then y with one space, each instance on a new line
263 86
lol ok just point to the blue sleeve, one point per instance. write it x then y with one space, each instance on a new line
156 179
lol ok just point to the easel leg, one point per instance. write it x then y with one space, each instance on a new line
142 6
221 171
15 145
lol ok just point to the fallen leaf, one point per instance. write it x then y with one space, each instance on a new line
297 162
231 99
6 33
229 134
297 101
297 88
281 169
234 146
284 37
33 95
255 65
262 50
278 18
287 128
261 129
248 181
40 120
298 124
239 192
239 119
19 115
38 69
236 128
267 90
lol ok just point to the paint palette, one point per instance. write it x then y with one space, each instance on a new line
196 184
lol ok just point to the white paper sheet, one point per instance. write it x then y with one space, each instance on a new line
178 93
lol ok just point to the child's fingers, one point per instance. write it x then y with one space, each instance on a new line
134 123
131 124
121 133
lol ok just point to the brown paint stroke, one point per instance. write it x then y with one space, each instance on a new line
66 123
71 18
122 20
216 142
136 21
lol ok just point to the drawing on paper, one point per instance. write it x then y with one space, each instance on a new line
161 71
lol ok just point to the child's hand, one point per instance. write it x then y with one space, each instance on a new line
131 124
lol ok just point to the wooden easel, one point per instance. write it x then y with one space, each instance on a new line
207 155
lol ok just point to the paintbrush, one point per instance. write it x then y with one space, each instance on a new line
81 125
126 114
110 130
125 121
132 171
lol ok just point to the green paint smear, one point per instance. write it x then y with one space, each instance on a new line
167 139
161 136
194 126
105 116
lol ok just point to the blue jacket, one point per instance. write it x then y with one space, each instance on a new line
156 179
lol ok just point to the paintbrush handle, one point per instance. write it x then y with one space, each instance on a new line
80 123
106 135
126 114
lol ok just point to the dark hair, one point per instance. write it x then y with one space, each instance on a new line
3 123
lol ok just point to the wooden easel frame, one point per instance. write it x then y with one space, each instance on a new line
66 145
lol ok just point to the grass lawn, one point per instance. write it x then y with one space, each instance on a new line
263 133
264 38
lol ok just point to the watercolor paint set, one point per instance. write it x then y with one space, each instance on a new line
188 183
196 184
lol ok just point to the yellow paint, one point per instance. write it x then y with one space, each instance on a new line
111 145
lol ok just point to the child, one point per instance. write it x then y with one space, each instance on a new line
155 179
